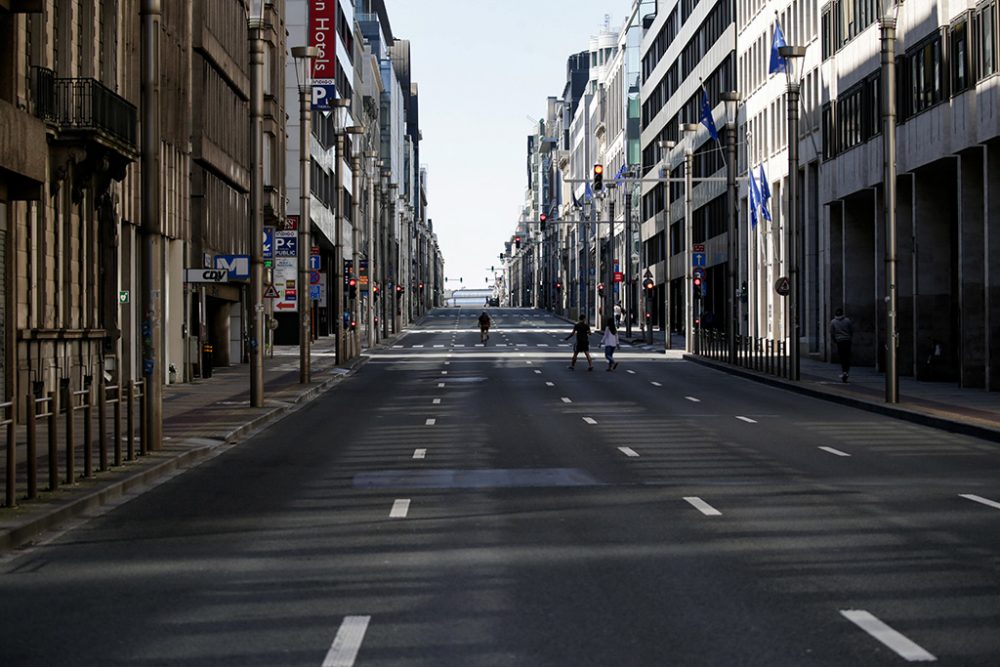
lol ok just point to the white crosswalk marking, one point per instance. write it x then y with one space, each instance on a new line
902 645
344 650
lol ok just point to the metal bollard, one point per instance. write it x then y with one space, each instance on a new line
130 426
53 416
88 443
70 435
31 453
143 442
118 425
102 421
10 490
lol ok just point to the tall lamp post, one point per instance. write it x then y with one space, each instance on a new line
255 26
666 148
732 101
688 130
304 56
887 22
793 56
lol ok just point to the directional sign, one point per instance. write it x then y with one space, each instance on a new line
205 275
268 243
698 259
314 262
238 266
285 243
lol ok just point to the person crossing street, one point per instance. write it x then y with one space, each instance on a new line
582 332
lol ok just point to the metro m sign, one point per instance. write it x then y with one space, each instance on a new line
323 35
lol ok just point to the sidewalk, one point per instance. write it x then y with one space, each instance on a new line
199 420
941 405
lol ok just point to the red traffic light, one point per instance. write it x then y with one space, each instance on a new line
558 285
697 281
598 168
421 285
399 288
352 282
648 284
543 218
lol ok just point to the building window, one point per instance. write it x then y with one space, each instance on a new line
924 84
959 40
985 35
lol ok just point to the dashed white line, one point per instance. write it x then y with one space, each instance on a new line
440 385
400 508
527 362
439 346
447 363
542 345
629 452
702 506
397 347
550 384
459 345
538 371
630 371
981 500
420 453
436 401
902 645
444 372
656 384
344 650
747 419
417 346
693 399
430 421
565 399
590 420
835 452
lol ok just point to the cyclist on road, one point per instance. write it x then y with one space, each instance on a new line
484 328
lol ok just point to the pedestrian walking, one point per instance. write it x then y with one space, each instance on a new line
484 328
582 344
842 332
618 315
610 342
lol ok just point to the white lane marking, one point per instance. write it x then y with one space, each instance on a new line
656 384
344 650
444 372
590 420
500 345
628 451
544 344
397 347
439 346
447 363
747 419
436 401
550 384
980 499
440 385
527 362
702 506
522 345
417 346
420 453
430 422
903 646
565 399
693 399
835 452
400 508
459 345
629 371
538 372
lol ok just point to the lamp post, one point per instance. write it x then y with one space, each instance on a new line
887 22
666 148
690 338
255 27
304 56
793 56
342 354
732 101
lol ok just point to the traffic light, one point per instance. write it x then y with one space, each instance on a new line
598 177
542 219
421 286
697 282
648 285
375 291
517 242
399 291
558 285
600 289
352 288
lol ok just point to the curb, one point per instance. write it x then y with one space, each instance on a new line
905 414
21 534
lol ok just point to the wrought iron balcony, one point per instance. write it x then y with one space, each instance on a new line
88 107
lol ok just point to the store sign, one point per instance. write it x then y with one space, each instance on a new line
323 35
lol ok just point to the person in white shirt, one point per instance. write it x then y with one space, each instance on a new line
610 342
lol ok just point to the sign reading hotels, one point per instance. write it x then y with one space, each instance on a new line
323 35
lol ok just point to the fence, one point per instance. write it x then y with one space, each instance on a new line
76 410
765 355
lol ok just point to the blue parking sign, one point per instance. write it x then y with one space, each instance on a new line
268 243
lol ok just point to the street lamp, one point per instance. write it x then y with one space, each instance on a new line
793 56
887 22
304 56
255 28
666 148
732 102
689 130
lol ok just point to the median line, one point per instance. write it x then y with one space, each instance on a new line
590 420
979 499
629 452
835 452
656 384
346 644
566 399
420 453
903 646
746 419
430 422
400 508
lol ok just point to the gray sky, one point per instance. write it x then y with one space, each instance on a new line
483 68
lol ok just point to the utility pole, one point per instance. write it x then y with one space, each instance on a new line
338 253
690 335
304 56
627 309
256 305
668 323
152 348
355 245
609 286
731 100
888 27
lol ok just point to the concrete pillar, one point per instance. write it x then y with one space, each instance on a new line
835 267
860 274
904 274
991 249
972 269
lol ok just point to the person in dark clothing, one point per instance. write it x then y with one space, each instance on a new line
842 332
582 332
484 328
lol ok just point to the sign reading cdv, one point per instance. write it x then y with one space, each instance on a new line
323 35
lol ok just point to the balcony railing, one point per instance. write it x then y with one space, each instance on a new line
84 104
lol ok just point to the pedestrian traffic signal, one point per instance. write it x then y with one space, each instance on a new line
648 285
598 177
517 242
697 282
600 289
542 219
352 287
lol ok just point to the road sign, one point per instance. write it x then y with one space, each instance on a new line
286 306
270 292
123 296
698 272
285 243
698 259
238 266
268 246
314 262
205 275
314 292
698 247
619 277
783 286
314 277
285 273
